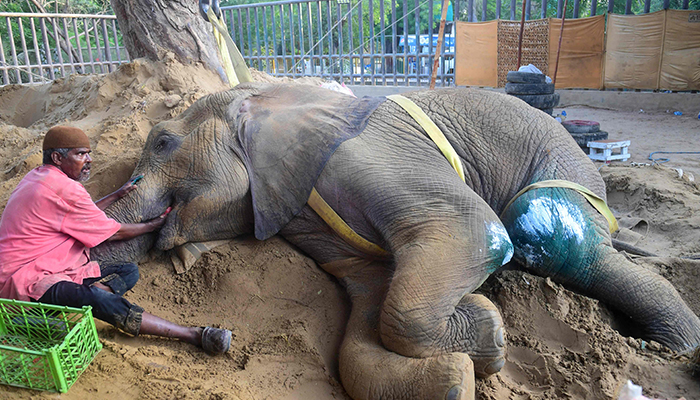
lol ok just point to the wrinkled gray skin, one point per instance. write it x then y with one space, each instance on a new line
415 330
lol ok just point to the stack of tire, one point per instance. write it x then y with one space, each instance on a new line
533 89
584 132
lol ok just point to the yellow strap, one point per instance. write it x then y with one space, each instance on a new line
336 223
592 198
432 130
231 57
333 220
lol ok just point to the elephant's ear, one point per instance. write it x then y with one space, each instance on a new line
287 134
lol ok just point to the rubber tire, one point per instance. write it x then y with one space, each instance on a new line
529 88
540 101
582 139
547 110
525 77
581 126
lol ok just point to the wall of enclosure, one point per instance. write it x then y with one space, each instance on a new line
654 51
42 47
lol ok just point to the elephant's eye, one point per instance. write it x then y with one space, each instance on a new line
165 144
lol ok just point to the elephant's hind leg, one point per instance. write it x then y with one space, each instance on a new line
429 309
369 371
556 233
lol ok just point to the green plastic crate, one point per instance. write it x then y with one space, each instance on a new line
45 347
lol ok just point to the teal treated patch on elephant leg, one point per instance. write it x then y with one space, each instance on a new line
499 243
553 236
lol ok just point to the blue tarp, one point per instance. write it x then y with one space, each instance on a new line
424 40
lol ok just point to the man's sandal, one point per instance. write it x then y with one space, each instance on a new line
216 341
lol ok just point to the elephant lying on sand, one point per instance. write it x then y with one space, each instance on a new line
246 160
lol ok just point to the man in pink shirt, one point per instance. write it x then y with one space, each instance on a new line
48 226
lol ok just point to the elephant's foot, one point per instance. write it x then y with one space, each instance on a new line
485 341
368 371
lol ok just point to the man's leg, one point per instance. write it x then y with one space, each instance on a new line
131 318
118 279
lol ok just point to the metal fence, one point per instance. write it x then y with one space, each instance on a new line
360 42
36 48
370 42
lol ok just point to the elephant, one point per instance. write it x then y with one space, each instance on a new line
250 159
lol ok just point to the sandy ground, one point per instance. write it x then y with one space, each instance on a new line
288 316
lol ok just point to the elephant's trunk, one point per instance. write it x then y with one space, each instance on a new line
140 205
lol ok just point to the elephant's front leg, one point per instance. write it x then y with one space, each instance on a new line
429 308
557 233
369 371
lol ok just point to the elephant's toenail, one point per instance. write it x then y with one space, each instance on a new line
454 394
500 337
495 366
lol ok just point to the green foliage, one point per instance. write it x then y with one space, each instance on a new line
58 6
41 53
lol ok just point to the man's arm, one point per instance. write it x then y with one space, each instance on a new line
129 231
106 201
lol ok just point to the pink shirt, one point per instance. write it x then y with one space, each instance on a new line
47 227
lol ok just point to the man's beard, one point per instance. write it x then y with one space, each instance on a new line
84 175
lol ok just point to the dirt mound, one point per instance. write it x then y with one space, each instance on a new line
288 316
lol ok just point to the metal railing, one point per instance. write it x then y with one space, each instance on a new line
360 42
370 42
36 48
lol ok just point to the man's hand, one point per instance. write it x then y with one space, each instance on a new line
126 188
157 222
128 231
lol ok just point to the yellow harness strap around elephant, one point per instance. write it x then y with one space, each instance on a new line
336 223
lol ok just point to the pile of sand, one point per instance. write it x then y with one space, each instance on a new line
288 316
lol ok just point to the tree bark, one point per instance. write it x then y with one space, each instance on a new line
152 27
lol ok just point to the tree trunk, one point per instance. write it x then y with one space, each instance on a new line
152 27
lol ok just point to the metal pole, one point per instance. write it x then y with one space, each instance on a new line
561 34
441 33
24 50
520 38
37 53
543 13
528 5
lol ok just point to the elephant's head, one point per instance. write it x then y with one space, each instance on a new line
235 162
